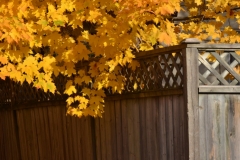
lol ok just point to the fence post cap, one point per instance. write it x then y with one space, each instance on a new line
191 41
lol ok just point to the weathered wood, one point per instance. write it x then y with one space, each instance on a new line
213 47
237 57
219 117
159 51
119 137
176 126
136 130
145 94
228 68
190 72
169 128
125 129
219 89
143 135
162 127
98 139
202 126
209 67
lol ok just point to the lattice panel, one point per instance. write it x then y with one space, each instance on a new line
159 72
219 68
27 93
5 93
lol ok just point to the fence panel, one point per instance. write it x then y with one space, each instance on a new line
147 128
219 117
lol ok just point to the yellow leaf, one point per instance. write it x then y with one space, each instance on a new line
70 89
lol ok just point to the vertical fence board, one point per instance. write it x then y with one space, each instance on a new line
235 135
136 129
162 124
58 122
183 129
176 126
79 130
108 131
169 123
202 126
8 138
125 129
149 129
34 134
119 130
52 135
70 137
98 139
64 131
130 129
143 135
113 129
103 139
22 132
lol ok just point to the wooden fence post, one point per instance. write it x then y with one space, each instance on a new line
190 72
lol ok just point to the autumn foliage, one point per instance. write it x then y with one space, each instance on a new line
40 39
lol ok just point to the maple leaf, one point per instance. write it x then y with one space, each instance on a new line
40 39
70 89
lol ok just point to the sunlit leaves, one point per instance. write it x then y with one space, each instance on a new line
89 42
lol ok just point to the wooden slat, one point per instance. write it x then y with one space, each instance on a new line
235 134
7 136
22 132
125 129
136 129
237 57
176 126
58 131
40 134
214 65
119 133
98 138
34 134
190 56
214 47
202 126
216 74
229 68
162 126
64 131
52 136
130 129
183 129
80 138
113 129
219 89
70 137
154 106
108 135
169 128
203 79
143 126
225 73
103 138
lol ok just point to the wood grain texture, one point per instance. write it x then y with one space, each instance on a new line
190 56
147 128
219 121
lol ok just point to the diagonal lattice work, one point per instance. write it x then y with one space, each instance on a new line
158 72
219 68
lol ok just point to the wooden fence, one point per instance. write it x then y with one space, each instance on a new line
147 128
188 108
